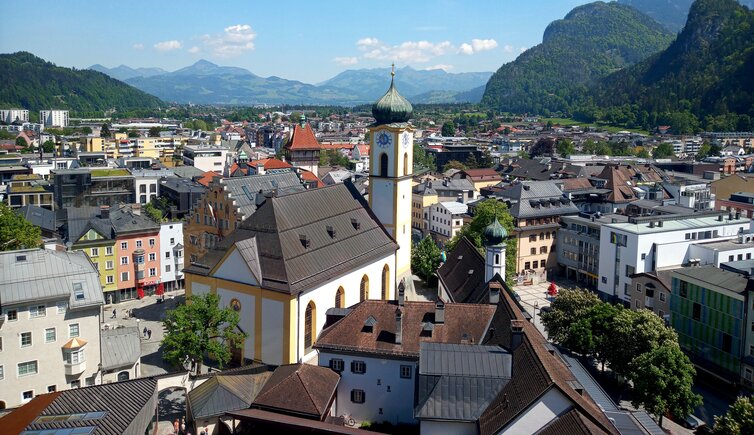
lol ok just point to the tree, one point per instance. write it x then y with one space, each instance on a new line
471 162
484 213
201 328
738 420
105 131
86 130
48 146
662 382
641 152
663 151
703 152
633 333
425 258
154 132
448 129
566 310
21 142
16 232
543 146
200 125
153 212
454 164
423 159
565 147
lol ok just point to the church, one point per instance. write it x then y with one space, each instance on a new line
303 253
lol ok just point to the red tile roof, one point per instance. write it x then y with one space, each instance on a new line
16 421
303 138
207 178
309 176
463 322
270 163
337 146
299 389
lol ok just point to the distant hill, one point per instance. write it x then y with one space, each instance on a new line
670 13
124 72
591 42
446 97
207 83
705 78
34 84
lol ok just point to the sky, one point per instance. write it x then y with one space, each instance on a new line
309 41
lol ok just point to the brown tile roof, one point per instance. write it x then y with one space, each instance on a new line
482 174
299 389
303 138
463 323
463 274
581 183
259 421
535 371
621 180
337 146
572 423
288 242
17 420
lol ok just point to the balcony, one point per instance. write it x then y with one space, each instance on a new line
75 369
73 356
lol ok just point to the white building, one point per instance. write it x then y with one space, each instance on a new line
691 194
446 219
205 157
171 254
49 324
645 244
121 354
54 118
12 115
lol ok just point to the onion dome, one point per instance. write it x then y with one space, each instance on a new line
494 233
392 107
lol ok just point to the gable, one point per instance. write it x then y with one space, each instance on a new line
234 268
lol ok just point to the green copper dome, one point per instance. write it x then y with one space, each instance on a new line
494 233
392 107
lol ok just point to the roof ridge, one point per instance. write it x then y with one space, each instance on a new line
308 394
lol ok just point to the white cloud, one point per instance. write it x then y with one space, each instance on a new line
346 60
522 49
194 49
466 49
476 46
442 66
415 51
365 43
508 49
233 41
168 45
138 46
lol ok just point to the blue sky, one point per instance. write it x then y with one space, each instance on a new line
309 41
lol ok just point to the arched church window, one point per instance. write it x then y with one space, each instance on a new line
340 298
385 282
309 325
405 164
364 290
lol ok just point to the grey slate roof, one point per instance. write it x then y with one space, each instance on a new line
124 220
227 392
122 403
531 199
464 360
45 275
457 382
279 224
712 275
120 347
38 216
187 171
463 274
79 220
246 189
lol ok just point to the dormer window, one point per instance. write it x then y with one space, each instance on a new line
356 224
369 324
331 231
78 291
305 241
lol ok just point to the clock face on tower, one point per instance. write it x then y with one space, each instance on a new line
384 139
405 139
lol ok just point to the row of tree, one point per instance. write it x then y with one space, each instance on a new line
635 344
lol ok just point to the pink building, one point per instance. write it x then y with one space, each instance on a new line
138 251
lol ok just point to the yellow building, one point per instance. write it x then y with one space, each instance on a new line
90 235
422 196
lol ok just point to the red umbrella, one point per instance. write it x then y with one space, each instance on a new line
160 289
552 290
140 292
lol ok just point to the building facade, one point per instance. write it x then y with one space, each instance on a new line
49 324
54 118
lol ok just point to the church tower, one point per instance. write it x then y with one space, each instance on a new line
494 243
391 168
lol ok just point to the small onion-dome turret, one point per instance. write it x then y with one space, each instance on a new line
494 233
392 107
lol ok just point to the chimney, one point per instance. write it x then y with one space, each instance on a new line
517 333
260 168
659 224
136 209
738 214
401 293
730 215
104 211
494 293
651 224
720 218
439 312
398 326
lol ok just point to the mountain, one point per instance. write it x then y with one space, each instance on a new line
123 72
34 84
369 84
702 80
670 13
207 83
591 42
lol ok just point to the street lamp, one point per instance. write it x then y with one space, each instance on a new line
536 305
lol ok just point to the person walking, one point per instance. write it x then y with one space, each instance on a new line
145 332
113 316
149 334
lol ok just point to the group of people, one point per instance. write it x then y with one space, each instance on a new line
179 428
147 333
